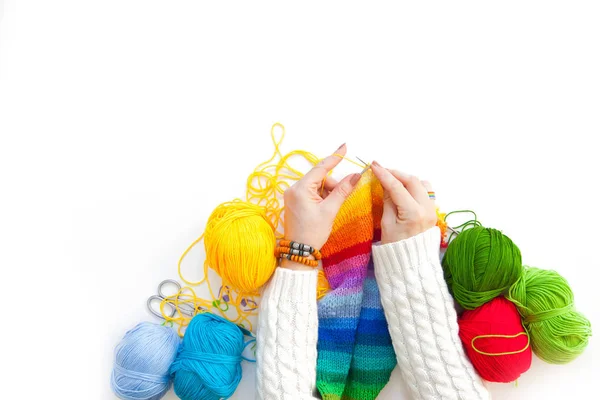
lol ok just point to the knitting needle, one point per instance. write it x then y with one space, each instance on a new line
367 166
453 230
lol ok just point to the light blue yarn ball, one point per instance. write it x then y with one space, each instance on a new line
208 362
142 362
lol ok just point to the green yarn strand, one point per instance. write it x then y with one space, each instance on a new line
545 301
455 230
481 264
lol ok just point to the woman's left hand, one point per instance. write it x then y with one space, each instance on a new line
309 216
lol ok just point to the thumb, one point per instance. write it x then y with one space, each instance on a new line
340 193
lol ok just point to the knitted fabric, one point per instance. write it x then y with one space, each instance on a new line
422 320
355 352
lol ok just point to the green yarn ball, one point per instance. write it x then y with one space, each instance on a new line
481 264
545 301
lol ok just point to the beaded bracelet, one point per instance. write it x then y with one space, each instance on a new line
294 252
301 248
298 259
298 252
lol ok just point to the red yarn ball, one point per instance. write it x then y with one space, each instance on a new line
496 317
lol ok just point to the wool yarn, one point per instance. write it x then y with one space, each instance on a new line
181 307
239 241
495 341
269 180
479 265
142 361
545 301
207 366
355 353
239 238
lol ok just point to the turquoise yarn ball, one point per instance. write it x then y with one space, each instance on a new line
142 362
207 366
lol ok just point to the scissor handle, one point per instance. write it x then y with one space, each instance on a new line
160 299
166 282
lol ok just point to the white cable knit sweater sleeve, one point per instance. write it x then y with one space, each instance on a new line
422 320
286 356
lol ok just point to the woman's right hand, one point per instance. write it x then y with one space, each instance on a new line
407 208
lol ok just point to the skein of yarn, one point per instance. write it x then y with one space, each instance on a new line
479 265
142 362
545 301
240 245
495 341
207 366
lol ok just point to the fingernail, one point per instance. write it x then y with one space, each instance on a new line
355 178
375 163
339 148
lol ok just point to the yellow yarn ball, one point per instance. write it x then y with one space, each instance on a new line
240 245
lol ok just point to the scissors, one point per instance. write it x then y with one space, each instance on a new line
184 308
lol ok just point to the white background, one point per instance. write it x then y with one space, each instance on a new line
124 123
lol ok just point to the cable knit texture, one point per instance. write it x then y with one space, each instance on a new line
287 337
422 320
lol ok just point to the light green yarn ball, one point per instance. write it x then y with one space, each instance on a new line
545 301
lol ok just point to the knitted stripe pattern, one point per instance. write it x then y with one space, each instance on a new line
355 352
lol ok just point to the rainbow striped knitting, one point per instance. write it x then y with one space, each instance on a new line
355 353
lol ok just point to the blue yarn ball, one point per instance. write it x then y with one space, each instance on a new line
142 362
207 366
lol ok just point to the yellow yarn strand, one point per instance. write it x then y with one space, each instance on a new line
502 337
232 229
269 180
187 305
185 253
322 285
240 236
